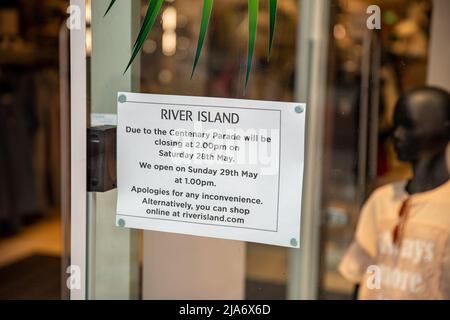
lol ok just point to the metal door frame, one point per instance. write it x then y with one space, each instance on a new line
78 158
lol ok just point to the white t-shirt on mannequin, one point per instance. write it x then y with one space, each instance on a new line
419 268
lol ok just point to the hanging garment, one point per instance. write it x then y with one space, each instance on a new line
47 137
18 191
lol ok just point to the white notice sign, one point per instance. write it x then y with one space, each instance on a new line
211 167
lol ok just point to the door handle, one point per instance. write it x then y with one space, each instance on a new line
101 159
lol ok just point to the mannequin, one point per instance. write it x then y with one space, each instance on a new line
402 243
421 136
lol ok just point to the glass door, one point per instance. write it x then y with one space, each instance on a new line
106 256
368 68
120 263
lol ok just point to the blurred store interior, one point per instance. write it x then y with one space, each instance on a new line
366 72
30 232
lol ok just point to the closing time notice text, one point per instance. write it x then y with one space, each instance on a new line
222 168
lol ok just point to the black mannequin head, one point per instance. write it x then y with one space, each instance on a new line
422 124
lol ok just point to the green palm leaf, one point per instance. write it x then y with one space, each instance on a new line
273 15
110 6
149 20
253 6
206 15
